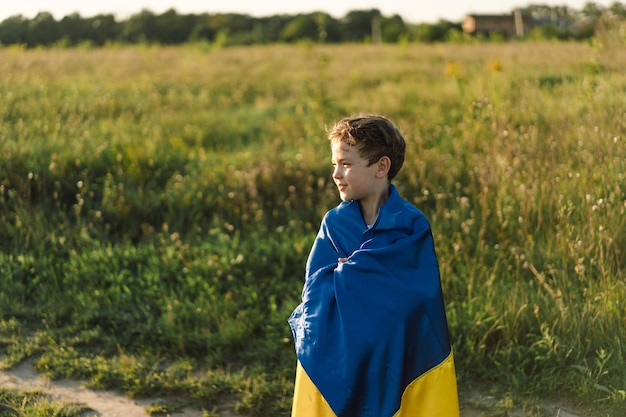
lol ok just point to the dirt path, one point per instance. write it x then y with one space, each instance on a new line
106 403
476 404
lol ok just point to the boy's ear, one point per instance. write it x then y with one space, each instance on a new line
383 166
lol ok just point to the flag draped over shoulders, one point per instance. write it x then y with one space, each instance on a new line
370 330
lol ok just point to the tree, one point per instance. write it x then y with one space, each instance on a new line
437 32
172 28
74 28
272 27
43 30
316 27
329 28
393 28
358 24
302 27
202 29
103 28
13 30
237 29
618 10
592 10
140 27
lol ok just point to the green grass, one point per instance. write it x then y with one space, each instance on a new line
36 404
157 206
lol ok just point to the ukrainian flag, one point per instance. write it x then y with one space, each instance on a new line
371 335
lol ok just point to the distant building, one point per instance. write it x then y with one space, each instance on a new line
514 24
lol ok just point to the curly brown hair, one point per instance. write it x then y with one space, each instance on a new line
374 136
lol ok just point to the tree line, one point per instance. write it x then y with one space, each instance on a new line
229 29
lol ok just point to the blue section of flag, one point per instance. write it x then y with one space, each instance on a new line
368 327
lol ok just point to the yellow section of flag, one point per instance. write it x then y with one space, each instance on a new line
433 394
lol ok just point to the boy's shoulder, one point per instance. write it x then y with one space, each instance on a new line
345 210
400 213
397 203
396 212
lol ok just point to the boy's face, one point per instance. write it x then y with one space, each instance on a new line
351 173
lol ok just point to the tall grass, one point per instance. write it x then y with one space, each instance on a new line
157 206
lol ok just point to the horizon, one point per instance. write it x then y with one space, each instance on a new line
410 12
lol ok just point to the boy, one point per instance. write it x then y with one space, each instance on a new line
371 335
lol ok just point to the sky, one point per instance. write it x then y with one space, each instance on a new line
412 11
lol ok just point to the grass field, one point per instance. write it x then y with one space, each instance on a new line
157 206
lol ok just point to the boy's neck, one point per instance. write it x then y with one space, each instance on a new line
371 206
